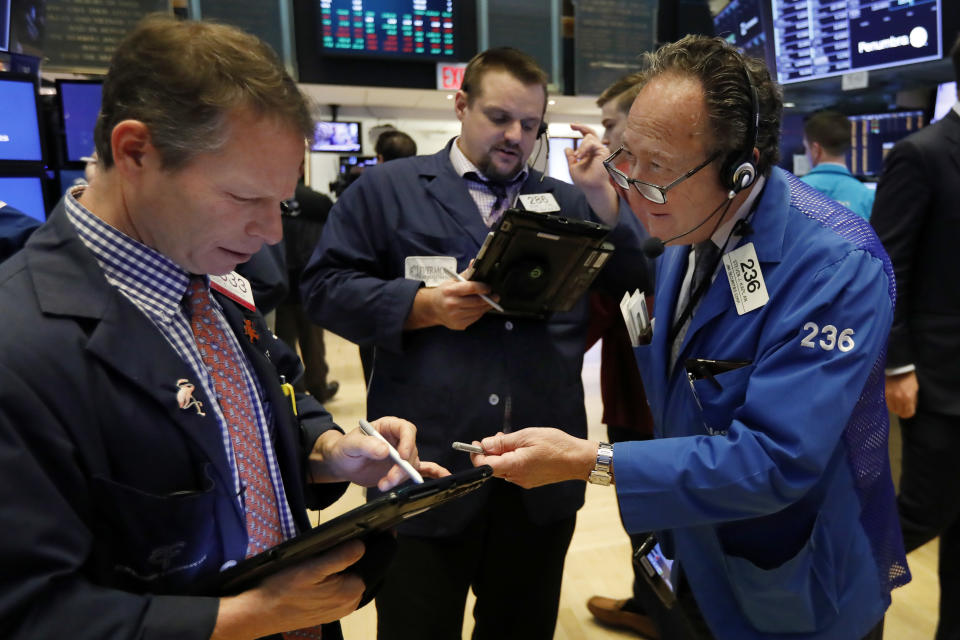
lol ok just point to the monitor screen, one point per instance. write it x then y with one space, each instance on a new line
24 193
4 25
946 98
19 125
873 136
79 106
816 39
557 166
336 136
745 25
389 28
347 163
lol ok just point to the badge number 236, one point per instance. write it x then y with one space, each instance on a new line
830 337
749 270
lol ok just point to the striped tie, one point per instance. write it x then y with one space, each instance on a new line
222 361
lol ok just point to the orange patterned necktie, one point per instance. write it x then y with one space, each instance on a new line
222 361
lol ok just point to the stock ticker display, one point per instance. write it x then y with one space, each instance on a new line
403 28
819 38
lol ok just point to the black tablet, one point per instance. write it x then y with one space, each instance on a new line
539 263
365 521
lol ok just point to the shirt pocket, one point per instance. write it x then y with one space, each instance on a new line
157 543
719 398
799 596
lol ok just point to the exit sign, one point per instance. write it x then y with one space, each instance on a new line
450 75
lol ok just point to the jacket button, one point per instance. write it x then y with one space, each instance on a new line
494 399
508 325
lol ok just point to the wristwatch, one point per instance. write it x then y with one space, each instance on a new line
600 474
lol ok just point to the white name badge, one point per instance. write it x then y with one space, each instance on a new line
746 280
236 287
540 202
430 269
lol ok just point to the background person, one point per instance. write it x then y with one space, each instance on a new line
826 139
916 217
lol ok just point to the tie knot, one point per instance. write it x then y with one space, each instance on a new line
705 261
498 189
197 295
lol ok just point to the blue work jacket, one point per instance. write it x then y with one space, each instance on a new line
771 486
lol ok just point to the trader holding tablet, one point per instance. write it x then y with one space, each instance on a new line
451 364
768 481
146 442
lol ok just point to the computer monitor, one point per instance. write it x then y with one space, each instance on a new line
20 123
336 136
24 192
347 163
873 136
5 25
557 166
817 39
424 29
946 98
79 107
745 24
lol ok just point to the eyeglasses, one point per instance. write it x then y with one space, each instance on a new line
652 192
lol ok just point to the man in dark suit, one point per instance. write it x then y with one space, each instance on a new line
917 217
146 442
458 371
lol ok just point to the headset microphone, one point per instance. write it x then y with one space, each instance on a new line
653 247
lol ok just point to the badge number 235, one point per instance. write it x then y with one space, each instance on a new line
830 337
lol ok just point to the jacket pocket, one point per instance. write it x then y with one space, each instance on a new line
154 543
799 596
717 405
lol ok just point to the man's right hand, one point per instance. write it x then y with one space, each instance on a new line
453 304
902 390
312 593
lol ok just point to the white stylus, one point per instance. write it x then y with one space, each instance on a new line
487 299
368 429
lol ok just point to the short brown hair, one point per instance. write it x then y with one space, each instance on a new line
183 78
722 70
624 91
515 62
831 129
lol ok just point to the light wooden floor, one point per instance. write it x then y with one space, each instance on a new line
599 540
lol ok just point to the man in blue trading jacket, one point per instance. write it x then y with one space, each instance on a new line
826 139
145 440
458 371
768 480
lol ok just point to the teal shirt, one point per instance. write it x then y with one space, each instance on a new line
838 183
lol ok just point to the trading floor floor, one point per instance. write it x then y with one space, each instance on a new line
598 544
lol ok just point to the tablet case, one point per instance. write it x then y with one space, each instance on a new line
365 522
539 263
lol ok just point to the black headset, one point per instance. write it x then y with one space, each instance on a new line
739 171
542 129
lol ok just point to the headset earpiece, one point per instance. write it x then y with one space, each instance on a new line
739 170
542 129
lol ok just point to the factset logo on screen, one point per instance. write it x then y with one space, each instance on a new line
918 38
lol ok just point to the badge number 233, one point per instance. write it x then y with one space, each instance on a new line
830 338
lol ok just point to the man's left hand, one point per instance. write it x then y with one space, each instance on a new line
537 456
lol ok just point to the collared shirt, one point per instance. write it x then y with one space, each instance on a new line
156 286
483 196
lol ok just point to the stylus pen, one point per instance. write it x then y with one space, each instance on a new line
457 276
368 429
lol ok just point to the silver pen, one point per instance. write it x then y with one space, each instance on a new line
457 276
368 429
468 448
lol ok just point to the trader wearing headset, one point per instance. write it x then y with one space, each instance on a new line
768 481
378 277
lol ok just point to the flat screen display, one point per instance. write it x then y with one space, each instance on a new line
336 136
745 25
347 163
946 98
19 126
817 39
79 106
4 25
873 136
24 193
557 165
390 28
